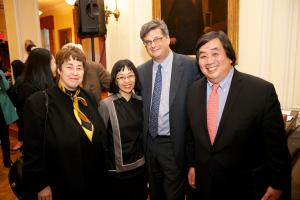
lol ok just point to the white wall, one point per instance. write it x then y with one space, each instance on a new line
123 39
269 45
63 18
22 23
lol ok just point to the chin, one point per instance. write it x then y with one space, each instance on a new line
128 92
73 87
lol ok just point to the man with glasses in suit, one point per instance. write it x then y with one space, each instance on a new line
165 79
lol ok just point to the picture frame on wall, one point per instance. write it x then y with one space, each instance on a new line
200 17
65 36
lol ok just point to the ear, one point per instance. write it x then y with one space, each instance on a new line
58 71
168 39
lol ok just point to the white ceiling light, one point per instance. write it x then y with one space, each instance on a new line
71 2
40 12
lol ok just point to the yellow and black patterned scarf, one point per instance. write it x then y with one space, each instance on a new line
82 119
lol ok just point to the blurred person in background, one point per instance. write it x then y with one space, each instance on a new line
39 74
7 116
4 58
29 46
17 68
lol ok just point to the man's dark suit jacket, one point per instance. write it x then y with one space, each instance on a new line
96 79
184 73
250 149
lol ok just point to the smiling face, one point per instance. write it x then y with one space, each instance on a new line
125 80
213 61
71 73
157 45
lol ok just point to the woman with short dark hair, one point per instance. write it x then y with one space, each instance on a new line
122 115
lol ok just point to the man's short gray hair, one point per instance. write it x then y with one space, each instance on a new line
154 24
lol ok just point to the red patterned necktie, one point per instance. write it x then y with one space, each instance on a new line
213 112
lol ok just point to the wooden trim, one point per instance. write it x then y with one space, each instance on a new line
233 24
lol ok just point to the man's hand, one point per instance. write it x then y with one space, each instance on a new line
172 40
272 194
45 194
191 177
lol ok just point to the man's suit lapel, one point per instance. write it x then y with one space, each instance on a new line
147 88
233 94
201 111
177 70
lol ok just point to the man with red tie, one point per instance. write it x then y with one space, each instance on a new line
237 146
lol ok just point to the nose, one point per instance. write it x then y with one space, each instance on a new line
152 44
127 79
210 59
75 71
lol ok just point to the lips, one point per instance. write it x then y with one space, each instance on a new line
211 69
127 86
155 49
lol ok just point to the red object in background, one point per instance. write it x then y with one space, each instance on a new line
2 36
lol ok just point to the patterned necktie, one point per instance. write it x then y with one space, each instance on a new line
153 118
213 112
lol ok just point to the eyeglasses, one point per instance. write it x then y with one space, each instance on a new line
123 78
156 40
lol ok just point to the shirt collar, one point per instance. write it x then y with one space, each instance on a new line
225 83
134 95
166 63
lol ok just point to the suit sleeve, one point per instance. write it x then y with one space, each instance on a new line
190 144
190 149
104 78
275 139
197 74
34 171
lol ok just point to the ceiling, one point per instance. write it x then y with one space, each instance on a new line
43 4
